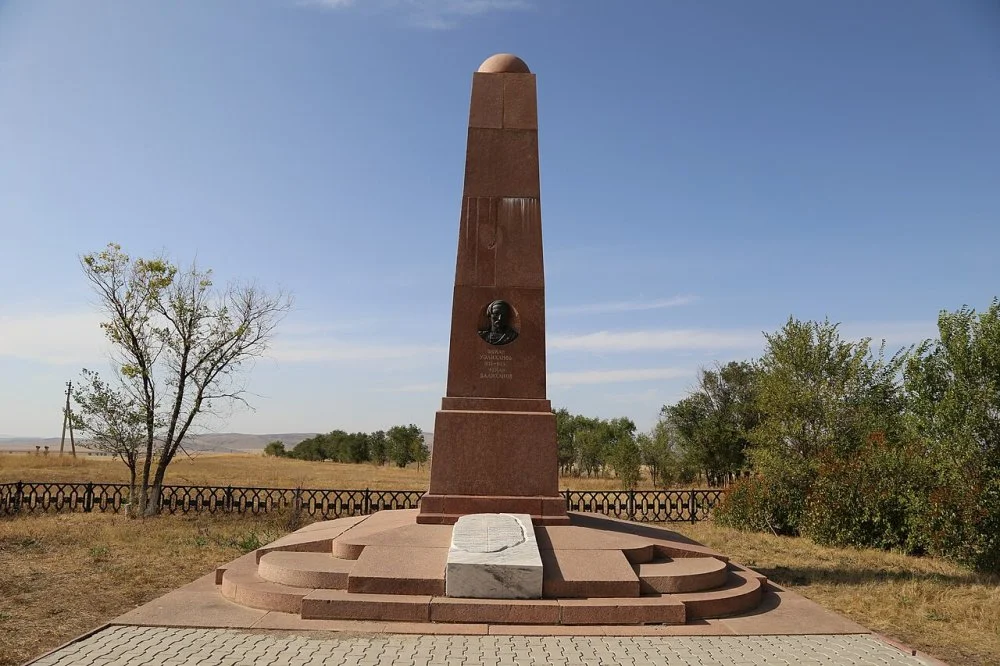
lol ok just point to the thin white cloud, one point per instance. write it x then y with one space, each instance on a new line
589 377
429 387
624 306
316 329
302 351
428 14
896 334
657 340
53 338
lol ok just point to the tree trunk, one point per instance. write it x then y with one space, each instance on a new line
132 492
156 487
143 497
152 501
144 489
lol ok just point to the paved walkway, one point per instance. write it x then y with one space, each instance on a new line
164 646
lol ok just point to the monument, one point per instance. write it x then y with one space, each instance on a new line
492 541
495 444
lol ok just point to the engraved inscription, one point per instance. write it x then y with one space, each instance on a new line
487 533
495 364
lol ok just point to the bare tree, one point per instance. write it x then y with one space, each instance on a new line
179 347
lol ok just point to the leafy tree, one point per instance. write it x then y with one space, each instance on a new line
276 449
313 448
354 448
565 436
625 456
818 392
820 399
378 447
179 346
403 442
620 449
953 390
337 445
658 454
590 444
714 421
419 452
114 421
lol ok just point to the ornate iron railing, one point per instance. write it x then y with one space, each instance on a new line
26 497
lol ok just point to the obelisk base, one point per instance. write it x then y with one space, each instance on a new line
494 462
447 509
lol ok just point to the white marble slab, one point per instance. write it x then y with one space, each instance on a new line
494 556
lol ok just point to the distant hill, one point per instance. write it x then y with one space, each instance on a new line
29 443
237 442
227 442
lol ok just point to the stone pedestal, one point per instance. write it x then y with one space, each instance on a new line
495 445
494 462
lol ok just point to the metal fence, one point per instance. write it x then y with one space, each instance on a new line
26 497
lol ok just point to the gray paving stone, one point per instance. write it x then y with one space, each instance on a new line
161 646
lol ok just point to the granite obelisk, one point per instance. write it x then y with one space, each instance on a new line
495 445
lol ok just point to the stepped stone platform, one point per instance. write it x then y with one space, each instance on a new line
388 567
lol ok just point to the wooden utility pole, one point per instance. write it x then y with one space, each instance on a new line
67 421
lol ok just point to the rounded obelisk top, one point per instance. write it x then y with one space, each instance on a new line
504 63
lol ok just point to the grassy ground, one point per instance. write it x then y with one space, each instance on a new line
65 574
927 603
246 470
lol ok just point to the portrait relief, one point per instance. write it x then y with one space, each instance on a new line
500 325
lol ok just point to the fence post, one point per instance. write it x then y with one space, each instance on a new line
18 496
88 497
228 506
692 507
366 503
631 505
566 495
297 502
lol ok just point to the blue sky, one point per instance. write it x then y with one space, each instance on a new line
708 169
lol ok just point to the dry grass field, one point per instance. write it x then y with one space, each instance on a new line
247 470
66 574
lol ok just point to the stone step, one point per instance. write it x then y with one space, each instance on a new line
495 611
249 589
653 609
315 538
742 592
575 574
686 574
399 570
342 605
304 569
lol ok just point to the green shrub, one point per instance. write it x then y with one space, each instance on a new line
960 519
867 500
761 504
